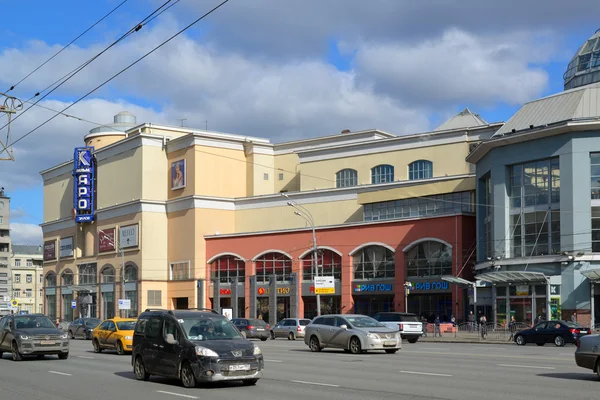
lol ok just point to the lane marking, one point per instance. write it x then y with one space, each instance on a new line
423 373
316 383
524 366
86 357
493 355
177 394
59 373
274 361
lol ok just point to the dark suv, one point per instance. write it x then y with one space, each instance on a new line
195 345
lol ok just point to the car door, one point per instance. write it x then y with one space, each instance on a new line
150 346
110 335
340 337
326 330
4 330
539 333
101 333
553 329
168 354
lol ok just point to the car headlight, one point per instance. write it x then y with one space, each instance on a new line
64 336
23 337
257 350
204 352
128 337
373 336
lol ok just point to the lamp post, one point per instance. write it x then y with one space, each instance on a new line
303 213
122 253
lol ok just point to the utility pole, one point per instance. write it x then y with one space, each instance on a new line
9 107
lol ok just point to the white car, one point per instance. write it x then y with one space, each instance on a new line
408 324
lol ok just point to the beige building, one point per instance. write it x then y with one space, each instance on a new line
27 278
5 246
161 190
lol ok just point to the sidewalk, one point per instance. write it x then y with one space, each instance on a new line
450 338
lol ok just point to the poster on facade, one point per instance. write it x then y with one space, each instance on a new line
178 177
66 247
106 240
129 236
324 285
50 250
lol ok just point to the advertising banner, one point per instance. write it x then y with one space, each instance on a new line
66 247
106 240
84 175
50 250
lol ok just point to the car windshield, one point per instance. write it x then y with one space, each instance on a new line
126 325
209 328
364 322
33 322
92 322
257 322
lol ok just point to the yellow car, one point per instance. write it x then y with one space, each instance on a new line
114 333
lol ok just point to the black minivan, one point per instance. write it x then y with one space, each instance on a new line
195 345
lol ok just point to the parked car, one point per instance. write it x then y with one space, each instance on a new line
115 334
587 354
290 328
408 324
193 346
557 332
353 333
83 328
252 328
32 335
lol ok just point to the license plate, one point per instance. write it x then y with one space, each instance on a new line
46 341
583 332
240 367
260 329
389 343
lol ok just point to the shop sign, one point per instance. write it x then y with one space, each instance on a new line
225 292
66 247
50 250
128 236
265 291
522 290
373 287
106 240
84 174
555 290
439 285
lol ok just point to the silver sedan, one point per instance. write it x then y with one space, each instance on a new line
353 333
587 354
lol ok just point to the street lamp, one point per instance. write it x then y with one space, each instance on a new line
120 249
303 213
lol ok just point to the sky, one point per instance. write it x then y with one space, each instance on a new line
279 69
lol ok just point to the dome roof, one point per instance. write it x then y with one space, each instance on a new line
584 67
122 121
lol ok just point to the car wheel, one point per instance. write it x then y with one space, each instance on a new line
520 340
97 348
540 344
263 339
272 334
140 370
249 382
120 349
16 356
315 346
63 356
355 347
413 340
291 336
391 351
559 341
187 376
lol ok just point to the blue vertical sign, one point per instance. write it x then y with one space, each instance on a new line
84 174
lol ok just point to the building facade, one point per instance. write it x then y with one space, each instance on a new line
27 278
5 248
179 211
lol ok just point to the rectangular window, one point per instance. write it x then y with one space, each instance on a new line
17 278
595 175
17 263
180 271
16 293
28 278
596 229
266 177
28 293
29 263
280 177
154 298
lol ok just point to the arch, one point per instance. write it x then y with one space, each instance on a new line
362 246
420 169
228 267
50 274
309 251
131 273
109 277
426 239
374 262
67 271
346 177
215 257
259 255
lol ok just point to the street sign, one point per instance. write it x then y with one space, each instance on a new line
124 304
74 304
324 285
14 303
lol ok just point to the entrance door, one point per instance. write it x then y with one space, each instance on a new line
181 303
283 308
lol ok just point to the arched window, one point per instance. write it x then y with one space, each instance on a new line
346 178
108 275
427 259
420 169
373 262
227 268
51 280
87 274
382 174
131 273
67 278
277 264
329 263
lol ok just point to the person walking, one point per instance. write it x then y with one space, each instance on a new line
512 325
437 327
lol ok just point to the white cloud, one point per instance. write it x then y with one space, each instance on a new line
25 233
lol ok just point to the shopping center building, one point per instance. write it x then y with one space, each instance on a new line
172 217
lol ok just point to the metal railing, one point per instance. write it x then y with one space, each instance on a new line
476 331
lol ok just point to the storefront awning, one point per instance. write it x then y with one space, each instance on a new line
513 277
82 288
457 280
592 274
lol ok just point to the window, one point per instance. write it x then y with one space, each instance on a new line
170 327
266 176
104 326
140 327
535 208
328 262
373 262
87 274
488 216
180 271
277 264
67 278
280 176
596 229
29 263
17 278
420 169
154 298
131 273
41 278
16 293
595 175
28 278
153 328
108 275
17 263
428 259
28 293
346 178
382 174
228 268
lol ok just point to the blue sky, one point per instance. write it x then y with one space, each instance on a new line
283 72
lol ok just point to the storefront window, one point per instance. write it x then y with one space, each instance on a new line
329 305
67 308
133 311
329 263
51 306
87 274
428 259
67 278
373 262
277 264
108 274
108 305
227 268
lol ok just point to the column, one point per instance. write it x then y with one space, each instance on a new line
592 304
548 308
495 306
500 216
399 281
347 306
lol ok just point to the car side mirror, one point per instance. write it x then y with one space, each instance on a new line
170 339
344 327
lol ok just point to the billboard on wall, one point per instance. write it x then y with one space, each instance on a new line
50 250
106 239
84 174
66 247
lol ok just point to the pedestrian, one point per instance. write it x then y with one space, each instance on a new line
483 321
512 325
437 326
471 319
574 317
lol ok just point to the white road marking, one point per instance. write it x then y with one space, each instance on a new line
274 361
316 383
59 373
423 373
86 357
524 366
177 394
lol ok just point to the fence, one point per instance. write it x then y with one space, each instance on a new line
475 331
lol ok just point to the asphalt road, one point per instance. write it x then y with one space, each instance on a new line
418 371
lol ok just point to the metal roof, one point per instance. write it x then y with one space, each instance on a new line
457 280
512 277
464 119
592 274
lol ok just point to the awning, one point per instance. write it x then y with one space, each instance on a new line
457 280
82 288
592 274
513 277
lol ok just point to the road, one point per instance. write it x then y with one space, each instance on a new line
418 371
